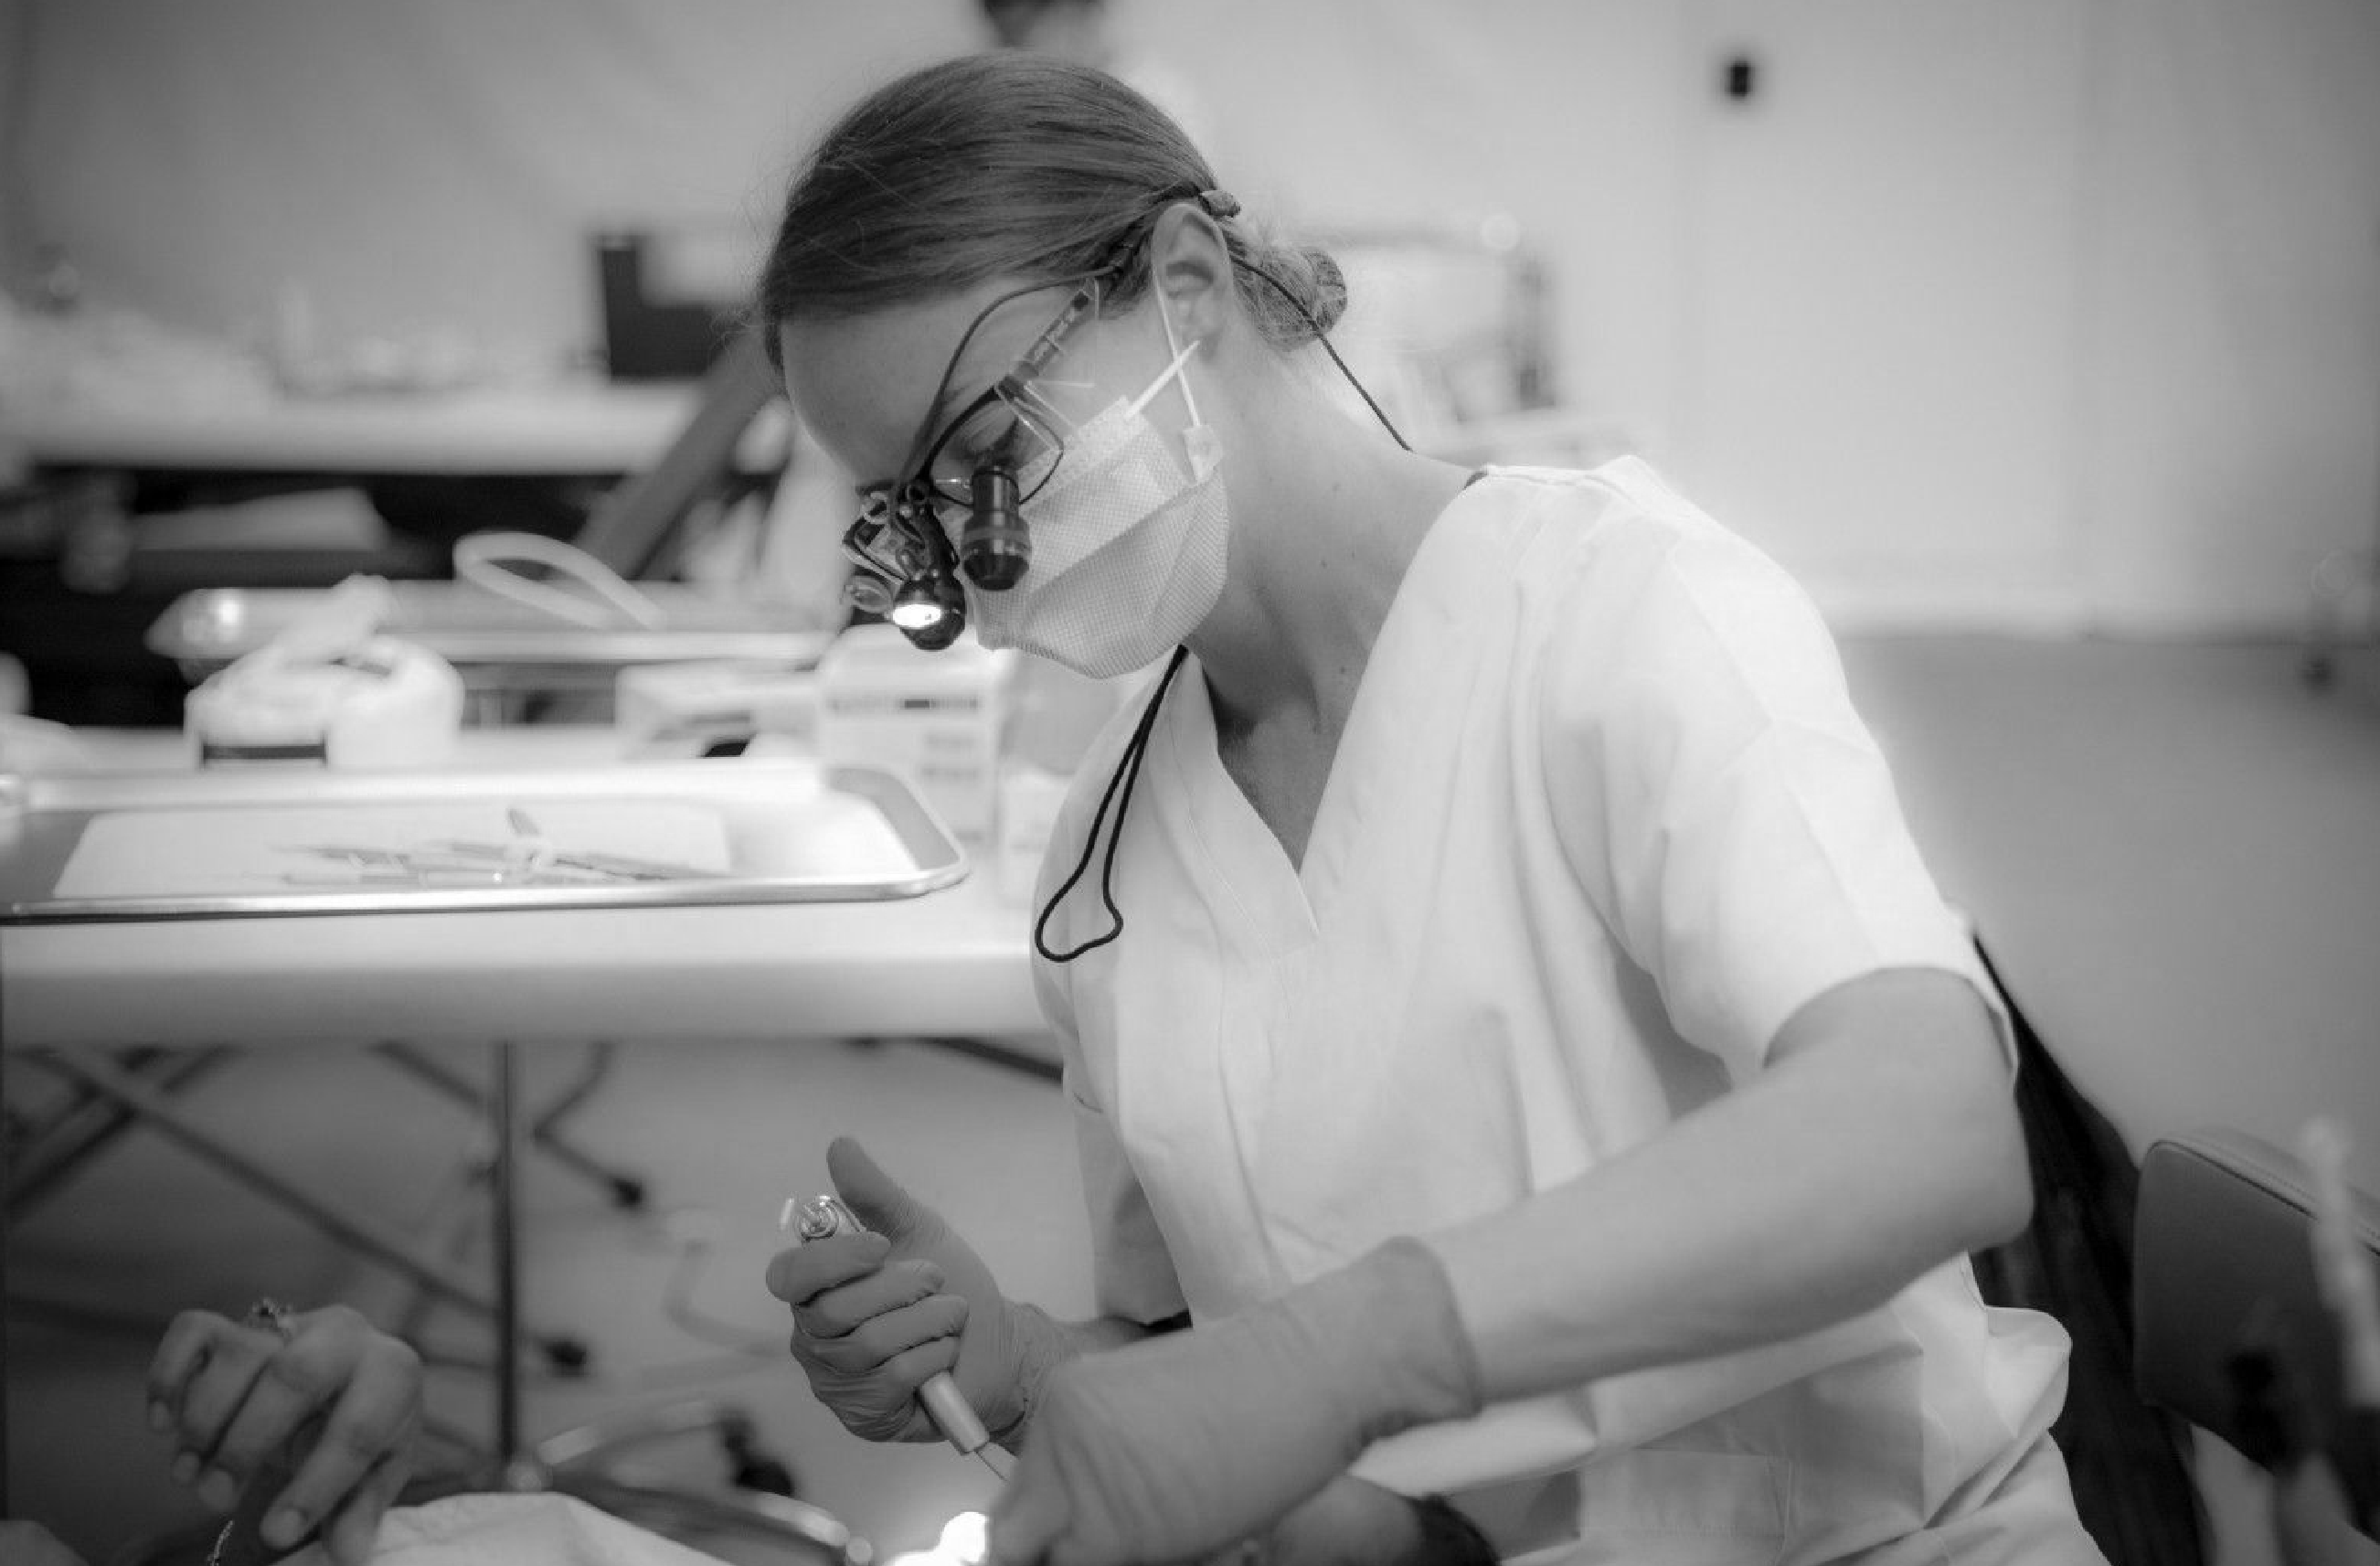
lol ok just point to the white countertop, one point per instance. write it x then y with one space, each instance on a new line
586 428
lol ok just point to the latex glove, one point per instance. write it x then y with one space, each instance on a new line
876 1316
1180 1445
327 1417
1349 1522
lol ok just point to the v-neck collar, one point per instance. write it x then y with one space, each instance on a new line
1280 904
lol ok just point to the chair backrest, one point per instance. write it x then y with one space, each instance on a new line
2223 1267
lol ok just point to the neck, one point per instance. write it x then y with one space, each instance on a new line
1328 514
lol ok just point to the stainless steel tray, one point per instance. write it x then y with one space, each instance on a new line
485 636
282 841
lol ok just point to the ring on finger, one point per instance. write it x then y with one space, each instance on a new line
272 1316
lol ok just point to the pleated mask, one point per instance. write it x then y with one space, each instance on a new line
1128 548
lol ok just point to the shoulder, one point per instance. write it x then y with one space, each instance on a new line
1639 595
1611 530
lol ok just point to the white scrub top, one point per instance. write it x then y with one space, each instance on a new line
1601 820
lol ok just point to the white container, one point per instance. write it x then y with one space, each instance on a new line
672 707
377 702
935 718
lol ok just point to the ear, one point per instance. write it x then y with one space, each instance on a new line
1190 263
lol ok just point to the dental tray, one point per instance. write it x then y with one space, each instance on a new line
493 642
274 839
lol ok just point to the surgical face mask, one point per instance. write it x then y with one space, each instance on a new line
1128 549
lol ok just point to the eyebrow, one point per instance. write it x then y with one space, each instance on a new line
946 396
932 421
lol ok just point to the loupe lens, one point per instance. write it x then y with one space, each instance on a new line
994 548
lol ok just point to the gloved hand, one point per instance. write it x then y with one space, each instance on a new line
1179 1445
876 1316
1350 1522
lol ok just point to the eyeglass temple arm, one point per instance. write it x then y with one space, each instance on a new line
1036 358
1028 365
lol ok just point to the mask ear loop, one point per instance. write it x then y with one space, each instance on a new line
1126 775
1171 372
1198 440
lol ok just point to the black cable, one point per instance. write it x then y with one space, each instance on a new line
1127 775
1190 191
1324 338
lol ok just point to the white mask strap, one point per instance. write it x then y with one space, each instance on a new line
1181 356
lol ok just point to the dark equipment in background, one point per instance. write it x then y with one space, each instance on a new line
664 320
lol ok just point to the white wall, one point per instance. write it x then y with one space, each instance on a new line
2035 313
424 165
2231 366
1880 288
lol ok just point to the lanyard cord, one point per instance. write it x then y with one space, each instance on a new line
1126 775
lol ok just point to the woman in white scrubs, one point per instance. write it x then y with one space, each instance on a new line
1529 1086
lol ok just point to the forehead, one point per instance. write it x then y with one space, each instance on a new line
865 385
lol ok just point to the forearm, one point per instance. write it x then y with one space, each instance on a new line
1101 1333
1051 1343
1881 1142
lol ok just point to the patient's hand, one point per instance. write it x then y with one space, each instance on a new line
30 1543
329 1414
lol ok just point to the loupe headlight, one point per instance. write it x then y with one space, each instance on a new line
931 611
905 570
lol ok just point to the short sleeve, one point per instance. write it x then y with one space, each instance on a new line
1723 804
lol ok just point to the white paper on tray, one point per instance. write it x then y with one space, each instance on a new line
252 849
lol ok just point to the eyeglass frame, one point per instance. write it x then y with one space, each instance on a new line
920 550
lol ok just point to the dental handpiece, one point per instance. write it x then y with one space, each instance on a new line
945 1405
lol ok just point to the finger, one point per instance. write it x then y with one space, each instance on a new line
181 1353
30 1543
234 1362
881 1202
882 1405
843 1308
353 1528
797 1274
373 1418
870 1349
303 1377
914 1368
